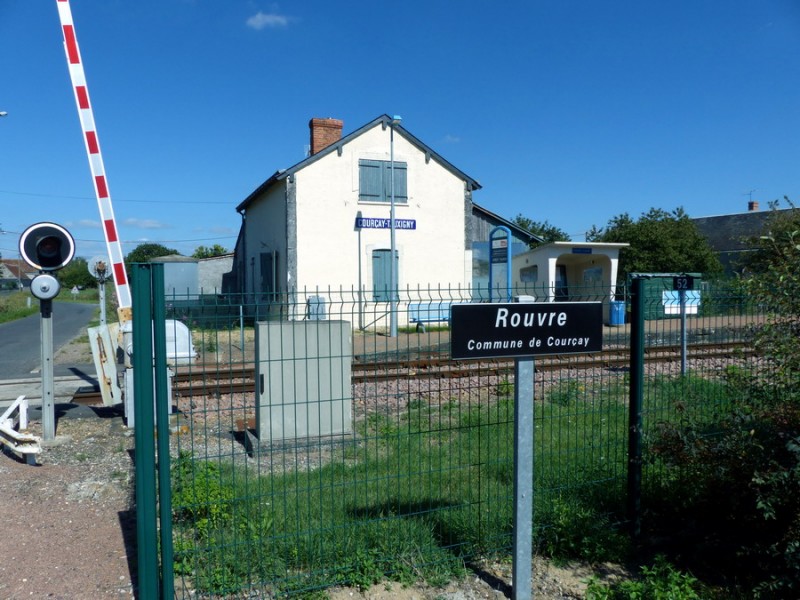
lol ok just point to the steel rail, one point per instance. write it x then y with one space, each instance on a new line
217 378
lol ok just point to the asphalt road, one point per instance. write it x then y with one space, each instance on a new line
20 340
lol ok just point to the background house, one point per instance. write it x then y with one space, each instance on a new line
15 273
729 235
322 228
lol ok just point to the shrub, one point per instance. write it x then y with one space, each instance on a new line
734 493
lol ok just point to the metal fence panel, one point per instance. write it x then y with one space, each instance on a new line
421 481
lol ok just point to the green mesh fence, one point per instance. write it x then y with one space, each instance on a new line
309 448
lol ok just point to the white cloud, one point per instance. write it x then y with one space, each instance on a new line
262 20
146 224
451 139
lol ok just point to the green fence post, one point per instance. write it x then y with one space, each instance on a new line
146 524
162 430
635 407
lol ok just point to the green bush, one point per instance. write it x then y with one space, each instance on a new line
733 492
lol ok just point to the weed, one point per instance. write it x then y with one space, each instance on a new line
661 580
566 392
199 495
504 389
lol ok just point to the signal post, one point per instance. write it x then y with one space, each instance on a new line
47 247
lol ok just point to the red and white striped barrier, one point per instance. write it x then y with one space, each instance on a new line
92 142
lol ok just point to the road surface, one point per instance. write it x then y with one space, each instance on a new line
20 340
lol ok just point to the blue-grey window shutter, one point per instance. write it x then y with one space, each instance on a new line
370 180
400 185
381 274
375 181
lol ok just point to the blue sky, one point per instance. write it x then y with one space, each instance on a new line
568 112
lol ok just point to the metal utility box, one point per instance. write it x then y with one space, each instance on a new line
654 287
303 379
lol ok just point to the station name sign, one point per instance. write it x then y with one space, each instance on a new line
380 223
525 329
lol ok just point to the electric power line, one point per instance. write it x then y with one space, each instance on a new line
64 197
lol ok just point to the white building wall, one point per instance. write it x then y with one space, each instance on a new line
329 245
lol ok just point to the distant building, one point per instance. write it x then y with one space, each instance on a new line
322 226
210 272
15 273
729 235
180 276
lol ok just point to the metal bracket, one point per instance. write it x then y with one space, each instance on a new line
13 434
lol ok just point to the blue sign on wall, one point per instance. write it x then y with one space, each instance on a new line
381 223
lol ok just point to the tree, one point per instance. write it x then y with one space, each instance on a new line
76 273
206 252
773 281
660 242
546 231
144 252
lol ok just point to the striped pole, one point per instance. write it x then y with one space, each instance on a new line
92 142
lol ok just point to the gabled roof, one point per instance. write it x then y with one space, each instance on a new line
732 232
384 121
519 231
17 267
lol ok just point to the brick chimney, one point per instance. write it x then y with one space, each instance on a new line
752 206
324 132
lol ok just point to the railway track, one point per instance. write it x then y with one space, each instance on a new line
232 379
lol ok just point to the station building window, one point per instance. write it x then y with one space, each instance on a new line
381 275
375 181
529 274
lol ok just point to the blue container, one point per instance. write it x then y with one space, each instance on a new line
316 308
616 313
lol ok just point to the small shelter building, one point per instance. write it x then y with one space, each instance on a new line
568 271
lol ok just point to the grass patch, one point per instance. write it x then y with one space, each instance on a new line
420 493
17 305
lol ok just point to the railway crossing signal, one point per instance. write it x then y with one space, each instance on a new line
47 247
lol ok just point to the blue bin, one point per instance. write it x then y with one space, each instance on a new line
316 308
616 314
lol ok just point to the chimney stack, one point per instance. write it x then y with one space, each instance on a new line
324 132
752 206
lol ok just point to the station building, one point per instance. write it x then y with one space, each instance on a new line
321 228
